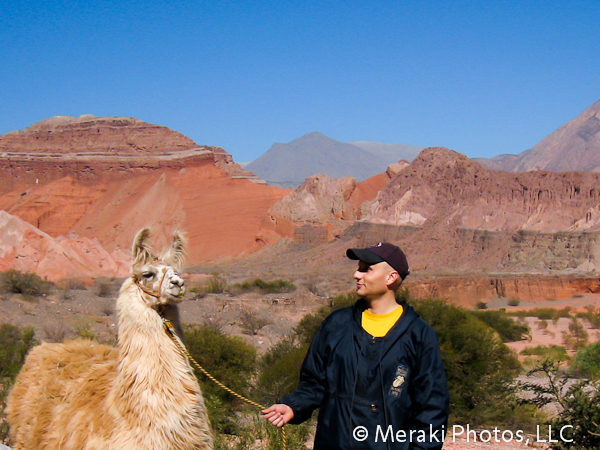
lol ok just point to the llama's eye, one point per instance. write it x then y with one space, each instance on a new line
147 275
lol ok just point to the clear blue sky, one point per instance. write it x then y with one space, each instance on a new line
480 77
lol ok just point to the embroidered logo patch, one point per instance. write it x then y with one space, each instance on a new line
398 382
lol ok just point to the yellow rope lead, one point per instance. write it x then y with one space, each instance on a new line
173 335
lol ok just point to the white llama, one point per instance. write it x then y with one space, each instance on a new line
143 395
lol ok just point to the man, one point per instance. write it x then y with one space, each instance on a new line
374 370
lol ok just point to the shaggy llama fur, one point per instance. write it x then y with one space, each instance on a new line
143 395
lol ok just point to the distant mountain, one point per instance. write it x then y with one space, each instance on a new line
573 147
391 153
288 165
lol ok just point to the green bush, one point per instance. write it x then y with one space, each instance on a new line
587 361
280 370
263 287
508 329
481 305
83 327
251 322
27 284
231 361
309 324
581 412
479 366
592 316
544 313
556 353
15 343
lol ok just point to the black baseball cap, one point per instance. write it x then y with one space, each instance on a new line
381 252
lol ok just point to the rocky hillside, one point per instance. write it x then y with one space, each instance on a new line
443 185
323 207
454 215
105 178
93 182
25 248
573 147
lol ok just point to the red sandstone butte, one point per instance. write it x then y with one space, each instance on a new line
105 178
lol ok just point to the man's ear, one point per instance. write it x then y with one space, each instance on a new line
392 277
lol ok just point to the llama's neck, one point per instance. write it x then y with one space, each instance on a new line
150 365
156 400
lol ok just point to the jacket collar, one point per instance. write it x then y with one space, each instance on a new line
409 315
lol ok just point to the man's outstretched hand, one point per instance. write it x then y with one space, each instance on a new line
278 414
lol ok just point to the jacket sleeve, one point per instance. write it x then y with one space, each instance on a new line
311 387
430 395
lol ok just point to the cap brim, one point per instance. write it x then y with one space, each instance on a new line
364 254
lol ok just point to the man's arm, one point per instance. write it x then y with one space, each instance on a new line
430 395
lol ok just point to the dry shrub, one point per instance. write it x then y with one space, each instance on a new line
56 333
251 322
28 284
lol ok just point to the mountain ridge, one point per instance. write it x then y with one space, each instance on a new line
314 153
575 146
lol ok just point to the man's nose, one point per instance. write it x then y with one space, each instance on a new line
357 275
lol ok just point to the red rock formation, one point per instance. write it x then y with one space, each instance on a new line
92 149
25 248
444 186
105 178
221 215
99 136
468 291
454 215
323 207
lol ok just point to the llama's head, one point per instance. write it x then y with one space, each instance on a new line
157 276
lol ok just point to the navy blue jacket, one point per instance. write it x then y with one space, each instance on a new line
373 393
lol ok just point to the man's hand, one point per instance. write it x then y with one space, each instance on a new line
278 414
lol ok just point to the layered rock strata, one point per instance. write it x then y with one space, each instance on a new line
91 149
468 291
107 177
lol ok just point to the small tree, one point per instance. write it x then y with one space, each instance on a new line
577 337
579 405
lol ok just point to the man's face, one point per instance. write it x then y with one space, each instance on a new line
372 279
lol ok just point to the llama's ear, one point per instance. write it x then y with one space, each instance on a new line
141 251
176 254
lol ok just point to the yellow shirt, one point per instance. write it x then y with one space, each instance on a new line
379 324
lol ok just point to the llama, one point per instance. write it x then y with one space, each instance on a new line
143 395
